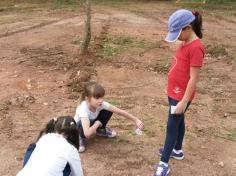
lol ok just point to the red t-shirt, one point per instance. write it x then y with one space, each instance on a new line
189 55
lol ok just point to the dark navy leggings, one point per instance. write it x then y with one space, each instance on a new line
174 133
104 116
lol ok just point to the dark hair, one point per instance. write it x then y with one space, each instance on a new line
93 89
64 125
197 24
49 128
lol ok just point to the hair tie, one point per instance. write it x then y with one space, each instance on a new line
72 123
194 12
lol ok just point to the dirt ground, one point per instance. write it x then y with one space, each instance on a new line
38 54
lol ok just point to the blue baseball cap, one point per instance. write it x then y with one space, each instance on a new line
177 21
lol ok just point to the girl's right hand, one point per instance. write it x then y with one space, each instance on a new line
97 122
139 124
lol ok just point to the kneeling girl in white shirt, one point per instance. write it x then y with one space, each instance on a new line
93 114
54 150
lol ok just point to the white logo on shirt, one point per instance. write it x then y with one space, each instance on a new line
177 90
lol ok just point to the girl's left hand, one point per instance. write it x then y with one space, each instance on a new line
180 107
139 124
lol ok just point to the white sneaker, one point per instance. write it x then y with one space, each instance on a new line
82 143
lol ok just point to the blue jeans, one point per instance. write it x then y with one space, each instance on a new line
29 151
174 133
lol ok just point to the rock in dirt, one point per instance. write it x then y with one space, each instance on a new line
221 164
21 100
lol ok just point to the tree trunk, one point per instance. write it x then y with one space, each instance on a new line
87 35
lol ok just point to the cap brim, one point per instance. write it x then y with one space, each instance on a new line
173 36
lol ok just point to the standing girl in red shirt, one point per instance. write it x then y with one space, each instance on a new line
182 80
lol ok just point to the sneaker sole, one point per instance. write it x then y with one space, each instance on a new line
106 136
168 172
177 158
109 136
81 150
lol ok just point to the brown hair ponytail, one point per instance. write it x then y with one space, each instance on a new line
197 24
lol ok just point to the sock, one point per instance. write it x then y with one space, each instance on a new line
159 171
165 164
178 151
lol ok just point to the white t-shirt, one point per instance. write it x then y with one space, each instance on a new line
83 111
50 157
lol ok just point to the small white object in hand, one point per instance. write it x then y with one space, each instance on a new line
172 109
138 131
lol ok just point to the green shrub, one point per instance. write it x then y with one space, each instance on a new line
216 50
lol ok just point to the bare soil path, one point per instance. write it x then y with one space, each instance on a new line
34 73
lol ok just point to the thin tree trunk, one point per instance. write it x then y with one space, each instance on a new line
87 36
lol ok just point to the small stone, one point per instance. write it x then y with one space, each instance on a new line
221 164
45 104
226 114
29 86
18 158
153 105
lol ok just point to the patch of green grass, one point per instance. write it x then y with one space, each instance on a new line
224 133
32 6
216 50
190 1
76 40
144 44
228 134
75 87
120 140
234 57
66 4
21 7
220 1
160 66
115 45
122 40
209 4
150 123
111 3
108 52
133 42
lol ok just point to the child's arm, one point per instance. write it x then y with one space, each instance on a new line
138 123
75 163
89 131
192 83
